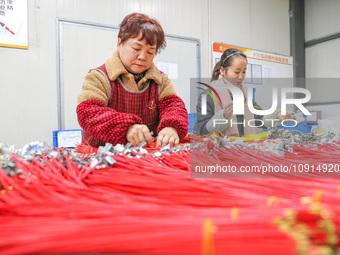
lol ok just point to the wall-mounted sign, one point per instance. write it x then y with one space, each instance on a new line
13 24
260 64
265 70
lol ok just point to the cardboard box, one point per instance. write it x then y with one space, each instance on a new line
316 115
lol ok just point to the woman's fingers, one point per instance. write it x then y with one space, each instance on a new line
137 134
167 135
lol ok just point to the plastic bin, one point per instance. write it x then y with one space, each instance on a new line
310 126
67 138
298 129
192 121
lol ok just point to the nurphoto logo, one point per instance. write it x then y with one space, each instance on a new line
239 102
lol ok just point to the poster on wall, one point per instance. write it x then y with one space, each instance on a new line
13 24
265 71
261 64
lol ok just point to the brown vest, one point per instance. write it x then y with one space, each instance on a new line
142 103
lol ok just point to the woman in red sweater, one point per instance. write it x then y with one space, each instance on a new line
128 97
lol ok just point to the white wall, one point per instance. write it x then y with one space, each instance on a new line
322 60
254 24
28 95
321 19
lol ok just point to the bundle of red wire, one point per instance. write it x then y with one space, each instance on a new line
150 205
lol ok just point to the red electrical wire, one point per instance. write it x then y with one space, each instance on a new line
150 205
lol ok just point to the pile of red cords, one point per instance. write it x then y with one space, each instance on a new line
150 205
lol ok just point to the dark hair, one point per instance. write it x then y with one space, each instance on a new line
151 30
225 61
216 71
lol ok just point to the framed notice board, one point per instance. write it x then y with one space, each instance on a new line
13 24
265 70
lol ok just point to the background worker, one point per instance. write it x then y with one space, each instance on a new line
231 69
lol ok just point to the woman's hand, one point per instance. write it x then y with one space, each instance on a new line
228 111
138 133
288 116
168 135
